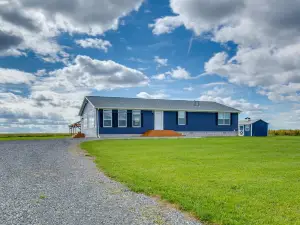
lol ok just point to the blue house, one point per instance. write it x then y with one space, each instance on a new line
250 127
115 116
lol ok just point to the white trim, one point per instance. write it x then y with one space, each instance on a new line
140 113
107 119
97 123
182 124
119 118
149 109
224 119
90 102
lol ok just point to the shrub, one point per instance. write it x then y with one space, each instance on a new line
284 132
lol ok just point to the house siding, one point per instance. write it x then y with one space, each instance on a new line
88 131
147 122
196 122
260 128
199 121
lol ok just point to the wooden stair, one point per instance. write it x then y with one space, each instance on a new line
161 133
79 135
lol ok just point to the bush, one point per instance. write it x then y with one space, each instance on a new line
284 132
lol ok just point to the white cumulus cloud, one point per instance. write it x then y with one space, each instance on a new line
54 97
34 25
13 76
161 76
160 61
94 43
158 95
179 73
86 72
166 24
267 34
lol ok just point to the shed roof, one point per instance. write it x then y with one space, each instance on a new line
156 104
245 122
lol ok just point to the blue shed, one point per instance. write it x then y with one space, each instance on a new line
250 127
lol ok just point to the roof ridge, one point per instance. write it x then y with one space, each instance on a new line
152 99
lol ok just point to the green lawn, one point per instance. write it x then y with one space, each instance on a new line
230 180
32 136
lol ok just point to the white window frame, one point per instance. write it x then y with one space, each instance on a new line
136 112
124 111
225 117
178 118
107 110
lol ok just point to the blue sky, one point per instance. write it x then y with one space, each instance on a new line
54 53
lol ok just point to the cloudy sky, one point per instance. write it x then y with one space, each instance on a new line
243 53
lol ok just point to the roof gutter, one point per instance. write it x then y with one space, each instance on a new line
149 109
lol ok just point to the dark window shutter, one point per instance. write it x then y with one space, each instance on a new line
142 119
231 118
115 118
217 119
129 118
176 117
101 117
186 118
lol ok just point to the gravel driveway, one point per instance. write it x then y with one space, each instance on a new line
53 182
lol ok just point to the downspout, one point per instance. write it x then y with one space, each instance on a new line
98 124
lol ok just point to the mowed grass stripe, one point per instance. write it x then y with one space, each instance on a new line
230 180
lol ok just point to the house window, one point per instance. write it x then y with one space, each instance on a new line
224 119
181 118
92 119
122 118
136 118
107 118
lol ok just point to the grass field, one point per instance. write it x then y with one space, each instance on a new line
33 136
230 180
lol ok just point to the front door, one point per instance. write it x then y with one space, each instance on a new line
158 120
241 130
247 130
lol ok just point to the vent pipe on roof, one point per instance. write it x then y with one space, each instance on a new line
196 103
248 118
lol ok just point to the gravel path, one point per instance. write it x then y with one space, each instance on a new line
53 182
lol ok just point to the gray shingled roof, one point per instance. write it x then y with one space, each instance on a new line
246 122
157 104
